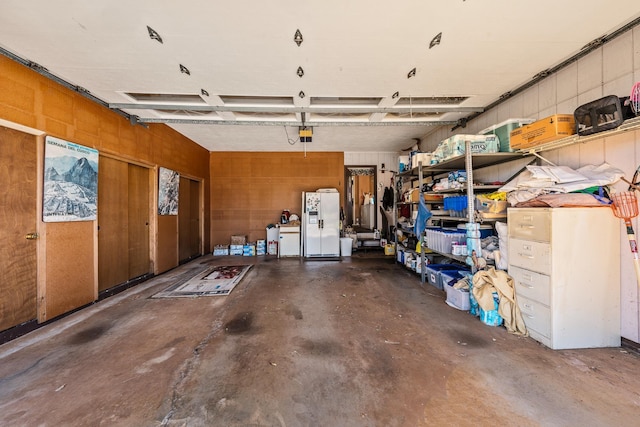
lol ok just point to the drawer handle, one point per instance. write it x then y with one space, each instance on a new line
526 226
525 255
528 316
527 285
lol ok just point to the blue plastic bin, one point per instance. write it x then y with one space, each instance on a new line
433 276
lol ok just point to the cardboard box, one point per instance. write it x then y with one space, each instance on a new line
415 195
503 131
235 249
220 250
249 250
546 130
238 240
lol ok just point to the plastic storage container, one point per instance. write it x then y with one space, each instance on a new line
503 129
458 298
442 240
449 276
433 271
346 244
456 205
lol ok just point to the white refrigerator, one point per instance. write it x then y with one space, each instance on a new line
321 223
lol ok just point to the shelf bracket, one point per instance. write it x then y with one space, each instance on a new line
532 152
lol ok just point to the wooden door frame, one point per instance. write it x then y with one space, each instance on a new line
347 174
41 265
201 195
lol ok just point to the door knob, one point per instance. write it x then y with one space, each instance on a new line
31 236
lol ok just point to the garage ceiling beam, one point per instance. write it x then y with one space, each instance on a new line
292 123
294 109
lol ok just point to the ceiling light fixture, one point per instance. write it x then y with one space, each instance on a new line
395 95
301 94
411 73
153 34
436 40
204 92
298 38
300 72
184 70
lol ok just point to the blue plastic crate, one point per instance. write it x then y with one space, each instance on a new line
433 273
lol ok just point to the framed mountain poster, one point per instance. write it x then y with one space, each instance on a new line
168 187
70 182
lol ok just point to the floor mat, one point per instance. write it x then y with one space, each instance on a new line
213 281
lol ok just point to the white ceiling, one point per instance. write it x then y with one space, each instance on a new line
350 49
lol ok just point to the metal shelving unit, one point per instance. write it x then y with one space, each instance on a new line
467 162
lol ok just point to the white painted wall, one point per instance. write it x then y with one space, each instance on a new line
610 70
390 160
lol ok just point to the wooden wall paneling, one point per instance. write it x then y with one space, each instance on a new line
138 221
70 266
18 287
167 243
31 100
113 222
250 190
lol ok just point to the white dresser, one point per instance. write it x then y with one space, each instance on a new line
566 266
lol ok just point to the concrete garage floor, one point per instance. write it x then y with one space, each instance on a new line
320 343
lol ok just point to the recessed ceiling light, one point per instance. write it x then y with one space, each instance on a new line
153 34
204 92
184 70
298 38
411 73
300 72
436 40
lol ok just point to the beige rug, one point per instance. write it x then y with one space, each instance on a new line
213 281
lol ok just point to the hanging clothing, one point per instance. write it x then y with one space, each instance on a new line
387 198
423 216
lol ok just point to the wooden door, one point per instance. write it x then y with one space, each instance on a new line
18 262
189 219
138 221
113 223
123 222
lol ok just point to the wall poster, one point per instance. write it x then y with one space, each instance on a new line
168 184
70 182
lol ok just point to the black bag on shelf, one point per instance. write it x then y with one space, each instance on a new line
602 114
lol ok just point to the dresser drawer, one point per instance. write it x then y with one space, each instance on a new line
531 285
530 224
530 255
536 316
